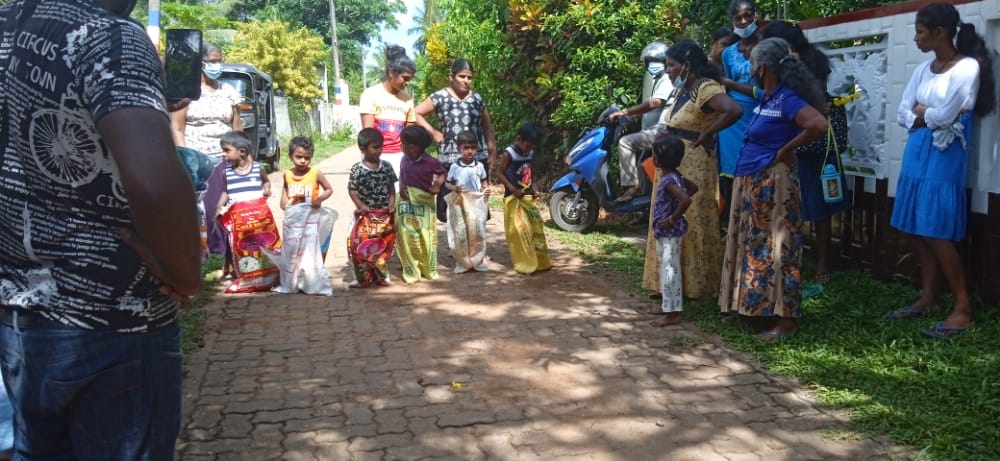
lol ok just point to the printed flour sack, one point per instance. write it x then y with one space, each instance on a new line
300 258
467 212
251 229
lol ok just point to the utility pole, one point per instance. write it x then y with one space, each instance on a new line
335 50
153 27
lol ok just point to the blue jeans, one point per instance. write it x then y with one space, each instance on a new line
93 395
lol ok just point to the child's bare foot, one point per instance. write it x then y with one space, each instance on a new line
668 319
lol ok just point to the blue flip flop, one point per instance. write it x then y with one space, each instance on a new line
942 331
905 312
812 290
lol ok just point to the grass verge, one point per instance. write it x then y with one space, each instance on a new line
193 317
325 146
942 397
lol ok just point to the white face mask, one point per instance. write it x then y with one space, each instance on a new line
744 32
654 68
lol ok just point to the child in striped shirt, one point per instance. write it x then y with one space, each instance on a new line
245 179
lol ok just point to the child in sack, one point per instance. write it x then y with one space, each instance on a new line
244 180
420 179
467 207
523 225
669 226
372 188
303 184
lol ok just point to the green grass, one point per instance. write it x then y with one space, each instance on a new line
941 397
193 317
325 146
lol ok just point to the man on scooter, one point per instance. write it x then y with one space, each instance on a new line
654 56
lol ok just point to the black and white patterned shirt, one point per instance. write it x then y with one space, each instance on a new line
372 185
457 115
64 64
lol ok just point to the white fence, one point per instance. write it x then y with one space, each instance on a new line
324 118
881 66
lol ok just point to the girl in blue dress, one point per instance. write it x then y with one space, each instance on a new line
937 107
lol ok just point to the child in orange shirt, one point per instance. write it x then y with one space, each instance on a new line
303 184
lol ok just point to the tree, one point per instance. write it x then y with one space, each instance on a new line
432 13
290 56
357 20
549 60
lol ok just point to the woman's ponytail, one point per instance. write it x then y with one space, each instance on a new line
971 44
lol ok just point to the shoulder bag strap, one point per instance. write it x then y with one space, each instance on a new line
831 144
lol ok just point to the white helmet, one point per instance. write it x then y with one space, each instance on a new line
655 51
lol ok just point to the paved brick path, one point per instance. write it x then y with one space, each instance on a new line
484 366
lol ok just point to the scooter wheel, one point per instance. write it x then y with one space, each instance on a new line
572 214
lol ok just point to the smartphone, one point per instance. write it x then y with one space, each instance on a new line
183 64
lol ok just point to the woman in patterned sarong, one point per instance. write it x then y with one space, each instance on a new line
761 270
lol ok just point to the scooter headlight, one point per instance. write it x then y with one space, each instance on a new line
576 150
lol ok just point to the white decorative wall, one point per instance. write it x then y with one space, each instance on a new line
901 58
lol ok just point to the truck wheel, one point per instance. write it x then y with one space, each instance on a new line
572 215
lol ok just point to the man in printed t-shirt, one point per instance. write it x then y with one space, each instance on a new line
98 234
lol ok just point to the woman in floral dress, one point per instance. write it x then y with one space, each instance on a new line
761 273
701 109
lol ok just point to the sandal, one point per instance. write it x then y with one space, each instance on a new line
942 331
771 336
627 196
905 313
656 295
822 278
810 291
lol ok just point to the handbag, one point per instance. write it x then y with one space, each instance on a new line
830 177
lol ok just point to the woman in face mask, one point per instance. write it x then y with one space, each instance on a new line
761 271
736 76
701 109
201 125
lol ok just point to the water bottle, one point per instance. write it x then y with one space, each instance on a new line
831 184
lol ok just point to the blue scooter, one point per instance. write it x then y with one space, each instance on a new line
580 194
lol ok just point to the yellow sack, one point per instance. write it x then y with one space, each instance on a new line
416 237
525 235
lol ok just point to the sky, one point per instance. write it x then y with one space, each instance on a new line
398 36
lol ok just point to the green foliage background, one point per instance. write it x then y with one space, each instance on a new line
556 61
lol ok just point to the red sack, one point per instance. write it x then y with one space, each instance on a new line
250 226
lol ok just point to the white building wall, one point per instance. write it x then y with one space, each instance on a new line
902 57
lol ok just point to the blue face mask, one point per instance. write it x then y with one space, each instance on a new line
744 32
680 82
212 70
654 68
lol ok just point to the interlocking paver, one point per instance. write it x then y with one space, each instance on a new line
484 366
